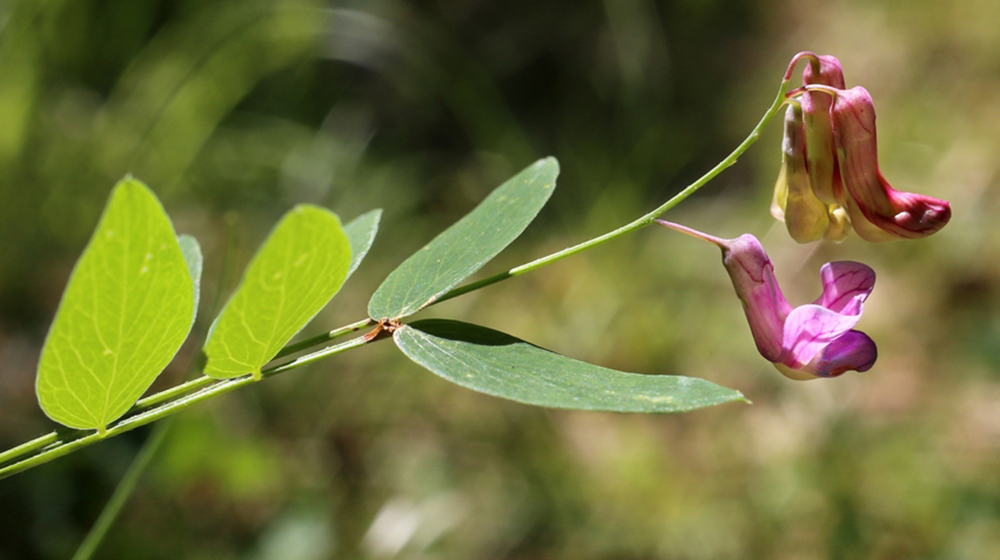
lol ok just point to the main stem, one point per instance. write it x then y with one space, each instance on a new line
165 403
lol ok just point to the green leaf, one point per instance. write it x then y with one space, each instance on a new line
125 313
192 257
295 273
361 234
498 364
467 245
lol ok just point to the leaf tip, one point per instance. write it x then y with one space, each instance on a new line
550 160
130 182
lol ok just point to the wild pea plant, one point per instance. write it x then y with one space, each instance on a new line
132 297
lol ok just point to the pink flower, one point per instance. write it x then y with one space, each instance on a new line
840 155
809 341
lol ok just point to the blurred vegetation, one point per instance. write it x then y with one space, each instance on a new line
233 110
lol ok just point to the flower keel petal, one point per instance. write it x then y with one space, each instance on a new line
854 351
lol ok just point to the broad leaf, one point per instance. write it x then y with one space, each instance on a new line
467 245
295 273
194 260
126 311
498 364
361 234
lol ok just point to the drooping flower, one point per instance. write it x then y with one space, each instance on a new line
878 212
808 341
841 165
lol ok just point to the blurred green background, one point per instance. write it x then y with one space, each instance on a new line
234 110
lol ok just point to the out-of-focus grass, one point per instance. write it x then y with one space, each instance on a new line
248 107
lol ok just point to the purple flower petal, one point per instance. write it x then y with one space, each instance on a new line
808 329
854 350
846 285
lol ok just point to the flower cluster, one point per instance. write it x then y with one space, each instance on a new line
830 178
829 182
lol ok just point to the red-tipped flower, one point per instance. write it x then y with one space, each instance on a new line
878 212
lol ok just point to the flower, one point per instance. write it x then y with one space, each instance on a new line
878 212
840 156
811 340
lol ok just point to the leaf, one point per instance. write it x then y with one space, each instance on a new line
192 257
126 311
300 267
361 234
498 364
466 246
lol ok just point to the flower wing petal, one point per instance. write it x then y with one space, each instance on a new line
808 329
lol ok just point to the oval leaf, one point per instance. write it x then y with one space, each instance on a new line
361 234
466 246
498 364
295 273
126 311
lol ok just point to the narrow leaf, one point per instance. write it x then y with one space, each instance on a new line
192 257
300 267
361 234
498 364
467 245
125 313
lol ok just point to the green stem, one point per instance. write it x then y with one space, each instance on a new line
124 490
643 221
78 439
28 447
173 392
325 337
205 380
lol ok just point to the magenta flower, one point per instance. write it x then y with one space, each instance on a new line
809 341
840 154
